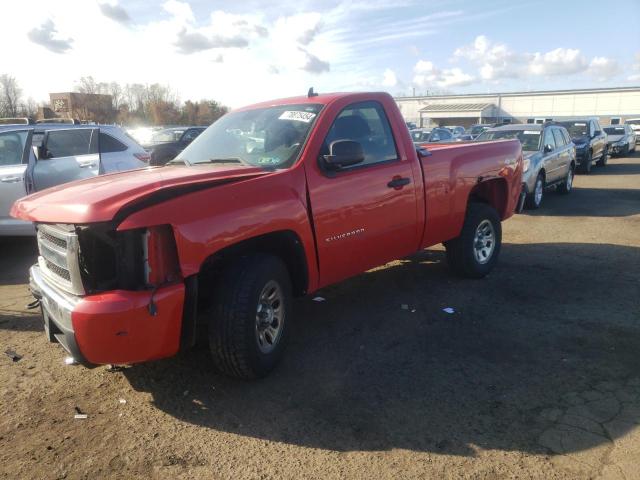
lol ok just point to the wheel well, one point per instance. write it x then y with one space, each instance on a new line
492 192
284 244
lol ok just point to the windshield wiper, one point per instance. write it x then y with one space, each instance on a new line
220 160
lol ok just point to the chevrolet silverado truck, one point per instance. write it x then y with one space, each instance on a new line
272 201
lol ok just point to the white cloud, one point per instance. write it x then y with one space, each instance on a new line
497 61
494 60
561 61
427 74
635 77
603 68
390 78
180 11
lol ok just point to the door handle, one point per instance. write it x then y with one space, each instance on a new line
398 182
86 164
10 179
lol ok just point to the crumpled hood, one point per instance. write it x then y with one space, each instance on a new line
99 199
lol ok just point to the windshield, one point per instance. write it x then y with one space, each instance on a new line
420 135
265 137
576 129
477 130
614 130
530 139
633 122
168 135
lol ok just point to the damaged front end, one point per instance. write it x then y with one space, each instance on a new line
109 296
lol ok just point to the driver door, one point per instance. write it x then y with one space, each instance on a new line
66 155
14 156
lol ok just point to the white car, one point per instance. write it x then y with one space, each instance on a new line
634 123
35 157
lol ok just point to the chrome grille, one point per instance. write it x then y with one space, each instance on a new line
58 246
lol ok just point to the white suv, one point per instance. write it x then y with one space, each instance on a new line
634 123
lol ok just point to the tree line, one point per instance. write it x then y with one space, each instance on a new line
130 104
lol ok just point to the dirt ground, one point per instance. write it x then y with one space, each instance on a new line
535 375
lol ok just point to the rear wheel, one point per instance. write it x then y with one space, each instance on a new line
534 199
475 252
566 186
248 324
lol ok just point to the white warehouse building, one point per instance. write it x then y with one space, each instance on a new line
610 105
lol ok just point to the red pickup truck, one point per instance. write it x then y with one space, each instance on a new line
272 201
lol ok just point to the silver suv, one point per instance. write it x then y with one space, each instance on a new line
35 157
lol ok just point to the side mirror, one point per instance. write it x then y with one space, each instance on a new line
423 152
343 153
548 148
43 153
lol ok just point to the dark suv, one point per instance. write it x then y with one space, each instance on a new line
590 140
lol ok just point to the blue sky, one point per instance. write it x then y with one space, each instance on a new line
240 52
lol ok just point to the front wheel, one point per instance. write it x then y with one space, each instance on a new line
605 157
475 252
248 324
566 186
585 166
534 199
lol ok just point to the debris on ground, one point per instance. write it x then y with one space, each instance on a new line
404 306
115 368
319 299
12 355
122 401
448 310
185 393
79 415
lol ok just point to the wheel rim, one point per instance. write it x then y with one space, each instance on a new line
270 317
484 242
569 183
538 191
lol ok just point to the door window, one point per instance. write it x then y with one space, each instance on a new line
548 139
557 134
108 144
68 143
12 148
367 124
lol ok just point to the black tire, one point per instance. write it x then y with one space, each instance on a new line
531 202
233 327
585 166
461 255
566 187
604 158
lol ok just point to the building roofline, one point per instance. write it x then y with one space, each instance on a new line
521 93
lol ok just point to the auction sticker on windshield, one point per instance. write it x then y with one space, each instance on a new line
298 116
531 132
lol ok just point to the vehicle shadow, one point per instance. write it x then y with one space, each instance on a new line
611 202
619 166
18 254
531 360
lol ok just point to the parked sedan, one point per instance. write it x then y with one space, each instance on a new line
35 157
621 139
549 157
456 130
168 143
437 135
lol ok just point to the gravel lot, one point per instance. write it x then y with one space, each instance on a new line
535 375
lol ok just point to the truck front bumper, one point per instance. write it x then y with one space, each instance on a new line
115 327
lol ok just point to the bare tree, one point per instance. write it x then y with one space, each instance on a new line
9 95
115 90
87 85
